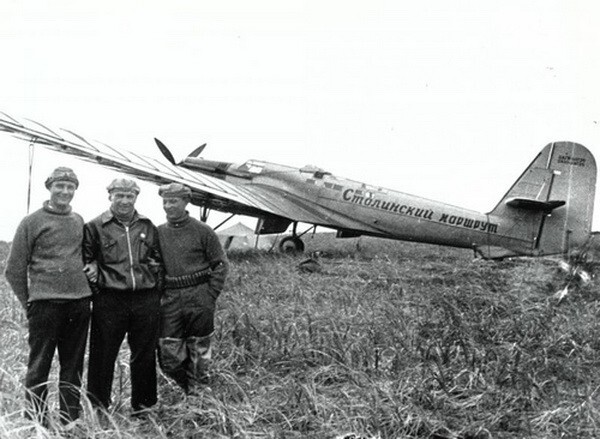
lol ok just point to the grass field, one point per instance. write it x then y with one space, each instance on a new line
383 340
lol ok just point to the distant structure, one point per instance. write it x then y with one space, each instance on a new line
241 237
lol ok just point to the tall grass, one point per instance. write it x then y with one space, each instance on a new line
385 339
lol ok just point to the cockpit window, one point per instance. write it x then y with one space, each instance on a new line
252 166
310 169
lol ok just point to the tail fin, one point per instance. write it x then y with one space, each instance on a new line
551 204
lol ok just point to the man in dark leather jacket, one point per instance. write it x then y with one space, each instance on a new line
123 264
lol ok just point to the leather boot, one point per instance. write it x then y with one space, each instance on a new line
199 354
172 357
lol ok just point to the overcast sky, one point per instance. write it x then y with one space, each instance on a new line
449 100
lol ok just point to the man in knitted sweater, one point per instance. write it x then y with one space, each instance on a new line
196 267
45 271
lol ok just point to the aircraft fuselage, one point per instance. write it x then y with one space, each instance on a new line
379 211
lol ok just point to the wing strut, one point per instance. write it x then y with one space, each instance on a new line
31 155
224 221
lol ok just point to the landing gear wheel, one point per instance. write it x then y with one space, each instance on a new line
291 244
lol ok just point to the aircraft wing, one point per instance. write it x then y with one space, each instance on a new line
208 191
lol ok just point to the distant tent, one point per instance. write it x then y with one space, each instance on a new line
240 236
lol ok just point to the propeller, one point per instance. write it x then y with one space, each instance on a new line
165 151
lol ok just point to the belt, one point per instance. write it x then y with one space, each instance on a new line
187 280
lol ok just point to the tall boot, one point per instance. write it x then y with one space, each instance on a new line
199 354
172 358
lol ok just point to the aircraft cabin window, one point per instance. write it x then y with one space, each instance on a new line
371 190
335 187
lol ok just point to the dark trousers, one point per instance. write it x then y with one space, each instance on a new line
187 323
114 314
187 312
52 325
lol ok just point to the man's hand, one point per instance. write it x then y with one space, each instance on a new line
91 272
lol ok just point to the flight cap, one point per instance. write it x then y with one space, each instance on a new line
176 190
123 185
62 173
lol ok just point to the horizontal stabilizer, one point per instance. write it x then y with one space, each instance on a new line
533 204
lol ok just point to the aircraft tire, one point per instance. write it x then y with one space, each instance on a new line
291 244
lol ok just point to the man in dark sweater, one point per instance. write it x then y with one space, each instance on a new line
45 271
196 267
120 249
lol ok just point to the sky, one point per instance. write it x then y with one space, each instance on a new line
445 99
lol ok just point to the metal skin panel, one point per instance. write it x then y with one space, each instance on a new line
548 210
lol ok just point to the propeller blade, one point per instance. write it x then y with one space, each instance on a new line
197 151
165 151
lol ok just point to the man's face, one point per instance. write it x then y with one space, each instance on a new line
122 202
174 207
61 193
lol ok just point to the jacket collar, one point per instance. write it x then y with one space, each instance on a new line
108 216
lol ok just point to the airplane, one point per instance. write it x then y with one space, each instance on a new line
547 211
